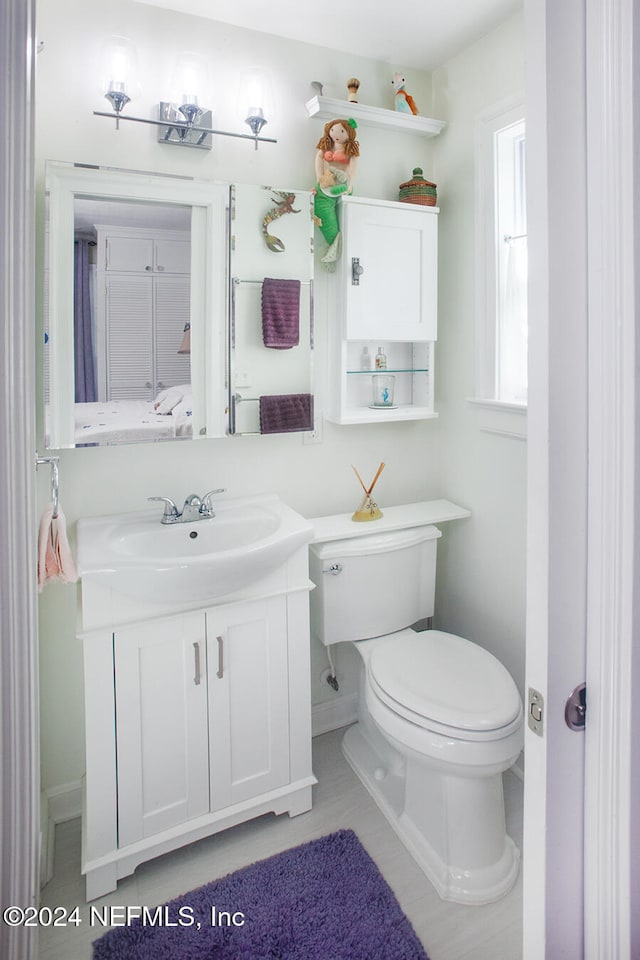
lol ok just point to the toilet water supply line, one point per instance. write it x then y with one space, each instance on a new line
332 679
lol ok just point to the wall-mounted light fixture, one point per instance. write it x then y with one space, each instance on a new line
182 120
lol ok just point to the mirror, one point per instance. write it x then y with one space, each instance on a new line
135 307
271 328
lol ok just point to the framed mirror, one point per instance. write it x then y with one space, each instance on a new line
135 307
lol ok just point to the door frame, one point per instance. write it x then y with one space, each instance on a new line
19 712
610 43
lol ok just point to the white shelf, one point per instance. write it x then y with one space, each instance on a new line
326 109
365 414
341 526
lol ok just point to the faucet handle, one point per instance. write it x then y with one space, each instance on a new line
206 500
170 508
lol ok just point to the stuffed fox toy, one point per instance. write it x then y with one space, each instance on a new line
404 102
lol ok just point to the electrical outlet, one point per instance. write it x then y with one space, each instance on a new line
316 435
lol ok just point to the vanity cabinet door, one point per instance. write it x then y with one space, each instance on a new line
248 700
161 730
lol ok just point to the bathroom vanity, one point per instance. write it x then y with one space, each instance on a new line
197 715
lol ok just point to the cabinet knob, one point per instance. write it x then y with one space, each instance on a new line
356 271
160 269
148 268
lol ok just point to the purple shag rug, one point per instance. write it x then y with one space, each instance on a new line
325 900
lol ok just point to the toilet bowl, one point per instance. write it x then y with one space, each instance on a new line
439 718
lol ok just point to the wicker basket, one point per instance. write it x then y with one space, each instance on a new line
419 190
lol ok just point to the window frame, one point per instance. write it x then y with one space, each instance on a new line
500 116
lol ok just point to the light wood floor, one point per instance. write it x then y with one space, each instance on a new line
448 931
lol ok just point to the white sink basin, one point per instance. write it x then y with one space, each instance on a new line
136 555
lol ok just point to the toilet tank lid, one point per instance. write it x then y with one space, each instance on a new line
369 543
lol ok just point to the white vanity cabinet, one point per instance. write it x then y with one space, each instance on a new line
195 722
383 294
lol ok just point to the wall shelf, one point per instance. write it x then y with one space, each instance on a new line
324 108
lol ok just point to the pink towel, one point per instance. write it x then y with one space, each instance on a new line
55 561
280 313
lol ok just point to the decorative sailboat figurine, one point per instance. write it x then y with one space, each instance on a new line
368 509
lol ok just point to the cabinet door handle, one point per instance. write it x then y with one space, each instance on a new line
196 655
220 672
356 271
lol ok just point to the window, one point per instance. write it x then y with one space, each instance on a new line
502 257
511 264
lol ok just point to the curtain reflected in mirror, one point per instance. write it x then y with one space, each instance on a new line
84 321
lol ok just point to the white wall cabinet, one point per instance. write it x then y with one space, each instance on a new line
143 303
194 722
384 293
128 253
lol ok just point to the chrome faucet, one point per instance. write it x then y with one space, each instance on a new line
195 508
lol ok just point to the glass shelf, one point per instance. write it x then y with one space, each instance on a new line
375 373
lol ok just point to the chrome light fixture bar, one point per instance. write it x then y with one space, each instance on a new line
184 132
182 121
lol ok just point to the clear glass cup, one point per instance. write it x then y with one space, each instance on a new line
382 390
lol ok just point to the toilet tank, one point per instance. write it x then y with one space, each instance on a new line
373 584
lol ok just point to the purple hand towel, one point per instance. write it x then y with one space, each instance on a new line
286 413
280 313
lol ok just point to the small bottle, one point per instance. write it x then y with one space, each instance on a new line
381 359
365 358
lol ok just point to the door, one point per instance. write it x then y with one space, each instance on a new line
128 338
161 720
172 310
248 700
396 246
579 882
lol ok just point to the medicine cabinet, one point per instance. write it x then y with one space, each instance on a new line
157 332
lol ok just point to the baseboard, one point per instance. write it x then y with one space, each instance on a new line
57 805
46 842
333 714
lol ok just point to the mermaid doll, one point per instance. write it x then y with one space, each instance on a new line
336 160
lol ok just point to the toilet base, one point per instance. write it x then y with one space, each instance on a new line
387 784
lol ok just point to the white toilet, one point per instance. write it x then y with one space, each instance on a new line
439 718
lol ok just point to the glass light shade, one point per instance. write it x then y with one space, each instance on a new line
119 68
189 89
255 95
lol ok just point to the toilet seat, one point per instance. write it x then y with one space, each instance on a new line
445 684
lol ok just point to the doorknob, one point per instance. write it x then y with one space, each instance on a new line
356 271
575 709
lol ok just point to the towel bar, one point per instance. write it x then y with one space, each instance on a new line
55 479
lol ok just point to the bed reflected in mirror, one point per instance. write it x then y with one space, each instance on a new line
134 308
